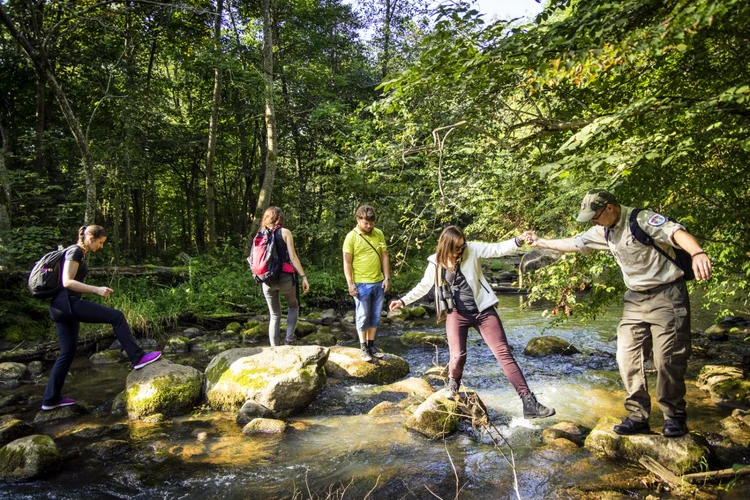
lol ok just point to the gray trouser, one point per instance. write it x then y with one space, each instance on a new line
288 286
655 321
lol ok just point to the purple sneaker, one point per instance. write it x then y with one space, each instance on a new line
59 404
147 359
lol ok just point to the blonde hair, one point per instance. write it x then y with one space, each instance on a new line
273 216
450 241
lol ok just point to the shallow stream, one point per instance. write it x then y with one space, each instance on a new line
337 446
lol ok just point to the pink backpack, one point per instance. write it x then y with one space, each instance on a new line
264 257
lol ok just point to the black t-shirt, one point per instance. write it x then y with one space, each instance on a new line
462 294
75 254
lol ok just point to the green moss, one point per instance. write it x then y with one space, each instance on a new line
732 389
233 328
548 345
415 339
251 323
305 328
314 315
170 395
10 460
229 392
321 339
214 373
416 311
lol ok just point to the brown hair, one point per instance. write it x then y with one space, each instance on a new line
273 216
450 241
96 231
365 212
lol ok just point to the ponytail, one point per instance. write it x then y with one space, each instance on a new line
95 231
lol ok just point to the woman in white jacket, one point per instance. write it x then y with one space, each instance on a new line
468 301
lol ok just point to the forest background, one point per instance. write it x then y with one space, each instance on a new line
174 124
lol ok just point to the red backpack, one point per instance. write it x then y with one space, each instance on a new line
264 259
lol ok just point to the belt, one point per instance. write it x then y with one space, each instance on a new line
660 288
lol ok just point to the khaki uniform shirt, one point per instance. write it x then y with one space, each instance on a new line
642 267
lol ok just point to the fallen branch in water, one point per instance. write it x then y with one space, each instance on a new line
716 475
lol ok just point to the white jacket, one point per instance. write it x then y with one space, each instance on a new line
471 268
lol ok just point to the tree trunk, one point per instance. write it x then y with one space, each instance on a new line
41 62
5 195
264 198
41 115
212 129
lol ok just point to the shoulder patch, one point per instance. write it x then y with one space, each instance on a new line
657 220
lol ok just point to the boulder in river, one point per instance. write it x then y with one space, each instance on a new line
162 387
265 426
12 371
12 428
266 381
680 455
344 362
27 458
726 385
423 339
548 345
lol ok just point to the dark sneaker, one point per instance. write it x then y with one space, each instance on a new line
147 359
533 409
453 386
291 341
364 354
375 352
629 427
59 404
674 428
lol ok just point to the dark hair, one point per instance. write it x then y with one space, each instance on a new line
273 216
95 231
448 244
365 212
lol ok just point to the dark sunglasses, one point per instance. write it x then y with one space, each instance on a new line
598 213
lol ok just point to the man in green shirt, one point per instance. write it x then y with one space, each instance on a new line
368 273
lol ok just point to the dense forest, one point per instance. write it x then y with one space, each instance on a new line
175 124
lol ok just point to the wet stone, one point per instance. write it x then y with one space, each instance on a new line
191 333
12 428
28 457
12 371
36 368
11 400
65 412
548 345
265 426
109 448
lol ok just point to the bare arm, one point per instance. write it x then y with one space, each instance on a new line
289 240
68 278
349 273
385 262
701 262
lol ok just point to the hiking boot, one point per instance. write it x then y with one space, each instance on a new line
630 426
375 352
59 404
147 359
534 409
674 428
453 386
364 354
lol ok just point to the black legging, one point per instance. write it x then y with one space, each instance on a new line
68 312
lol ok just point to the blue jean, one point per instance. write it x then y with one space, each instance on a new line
368 305
68 311
287 284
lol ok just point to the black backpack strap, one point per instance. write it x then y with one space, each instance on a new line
645 238
380 257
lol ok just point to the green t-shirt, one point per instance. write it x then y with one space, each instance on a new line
366 266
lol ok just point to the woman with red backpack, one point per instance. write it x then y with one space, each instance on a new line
286 281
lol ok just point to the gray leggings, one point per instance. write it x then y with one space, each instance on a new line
288 286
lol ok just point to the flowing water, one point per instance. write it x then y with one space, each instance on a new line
336 447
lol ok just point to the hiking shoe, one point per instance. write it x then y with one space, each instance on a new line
59 404
630 426
364 354
674 428
533 409
453 386
375 352
290 341
147 359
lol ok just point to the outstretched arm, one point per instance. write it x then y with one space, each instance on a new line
567 245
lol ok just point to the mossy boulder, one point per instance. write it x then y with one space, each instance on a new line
109 448
12 371
565 430
304 328
108 357
233 328
177 344
423 339
27 458
164 387
62 413
726 385
436 417
680 455
265 426
321 339
548 345
36 368
344 362
277 381
257 332
11 429
715 330
737 428
413 386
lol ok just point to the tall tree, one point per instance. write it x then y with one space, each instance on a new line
264 197
212 133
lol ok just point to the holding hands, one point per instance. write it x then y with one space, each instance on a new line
396 304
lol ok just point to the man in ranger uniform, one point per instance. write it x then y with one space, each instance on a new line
656 316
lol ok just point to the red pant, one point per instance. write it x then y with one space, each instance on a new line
491 329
